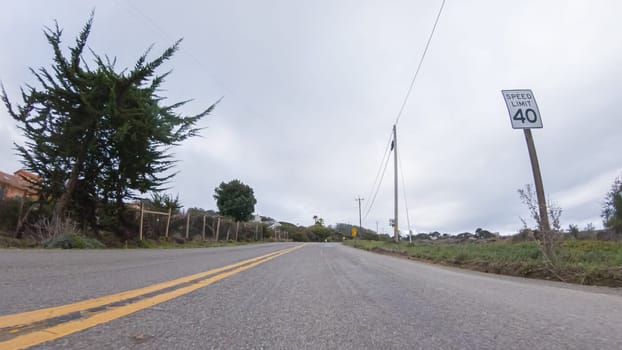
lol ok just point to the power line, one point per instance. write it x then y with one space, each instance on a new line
377 183
399 115
425 51
373 199
385 159
404 189
386 152
154 24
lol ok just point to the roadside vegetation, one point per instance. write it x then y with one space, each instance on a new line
585 256
580 261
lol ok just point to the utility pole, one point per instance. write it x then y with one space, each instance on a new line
359 199
394 146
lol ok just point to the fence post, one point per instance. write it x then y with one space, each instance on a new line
168 222
203 231
218 229
187 223
21 209
140 231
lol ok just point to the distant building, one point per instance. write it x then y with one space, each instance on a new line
260 219
274 225
16 185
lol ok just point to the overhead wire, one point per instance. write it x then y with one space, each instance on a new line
399 162
373 199
425 51
164 33
375 184
401 111
154 24
385 159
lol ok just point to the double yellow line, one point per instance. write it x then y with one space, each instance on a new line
22 330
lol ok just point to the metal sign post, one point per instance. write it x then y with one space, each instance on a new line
524 114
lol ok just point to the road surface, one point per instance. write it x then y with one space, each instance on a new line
312 296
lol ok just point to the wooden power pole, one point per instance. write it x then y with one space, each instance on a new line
396 232
360 221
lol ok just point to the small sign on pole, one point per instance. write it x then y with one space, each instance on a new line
523 109
353 232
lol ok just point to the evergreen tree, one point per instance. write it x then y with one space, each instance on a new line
95 135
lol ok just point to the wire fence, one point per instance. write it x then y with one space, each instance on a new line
197 225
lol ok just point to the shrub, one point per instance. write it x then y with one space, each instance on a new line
9 212
72 241
299 236
573 230
612 208
145 243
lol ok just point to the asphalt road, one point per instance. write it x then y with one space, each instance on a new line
321 296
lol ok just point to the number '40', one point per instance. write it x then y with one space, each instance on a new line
529 115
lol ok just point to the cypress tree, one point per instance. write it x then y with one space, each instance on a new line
97 136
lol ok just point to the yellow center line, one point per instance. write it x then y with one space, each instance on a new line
64 329
29 317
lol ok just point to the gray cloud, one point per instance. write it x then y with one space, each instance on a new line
311 91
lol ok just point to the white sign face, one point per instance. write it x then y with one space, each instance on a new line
523 109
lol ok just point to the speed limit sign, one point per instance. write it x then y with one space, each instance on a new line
523 109
524 114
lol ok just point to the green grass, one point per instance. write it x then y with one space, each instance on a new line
584 262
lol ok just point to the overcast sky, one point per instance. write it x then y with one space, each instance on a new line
312 88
